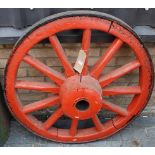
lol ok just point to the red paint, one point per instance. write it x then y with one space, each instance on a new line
74 90
61 55
40 86
117 73
86 40
107 56
117 90
71 87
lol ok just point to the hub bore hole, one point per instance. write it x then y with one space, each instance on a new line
82 105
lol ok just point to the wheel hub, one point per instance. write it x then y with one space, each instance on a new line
81 97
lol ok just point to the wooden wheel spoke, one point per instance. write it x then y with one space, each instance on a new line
39 86
114 108
52 74
61 55
73 128
97 123
45 103
113 75
119 90
86 39
107 56
53 118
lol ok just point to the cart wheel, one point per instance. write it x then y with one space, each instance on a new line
79 96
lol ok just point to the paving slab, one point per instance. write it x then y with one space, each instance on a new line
140 133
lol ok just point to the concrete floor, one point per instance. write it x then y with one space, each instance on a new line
141 132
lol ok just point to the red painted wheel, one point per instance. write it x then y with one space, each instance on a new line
71 90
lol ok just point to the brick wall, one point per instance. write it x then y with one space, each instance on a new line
45 53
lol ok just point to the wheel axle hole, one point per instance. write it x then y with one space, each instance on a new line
82 105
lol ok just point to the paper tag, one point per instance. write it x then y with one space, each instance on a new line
80 61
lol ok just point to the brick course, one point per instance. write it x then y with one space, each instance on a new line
46 54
